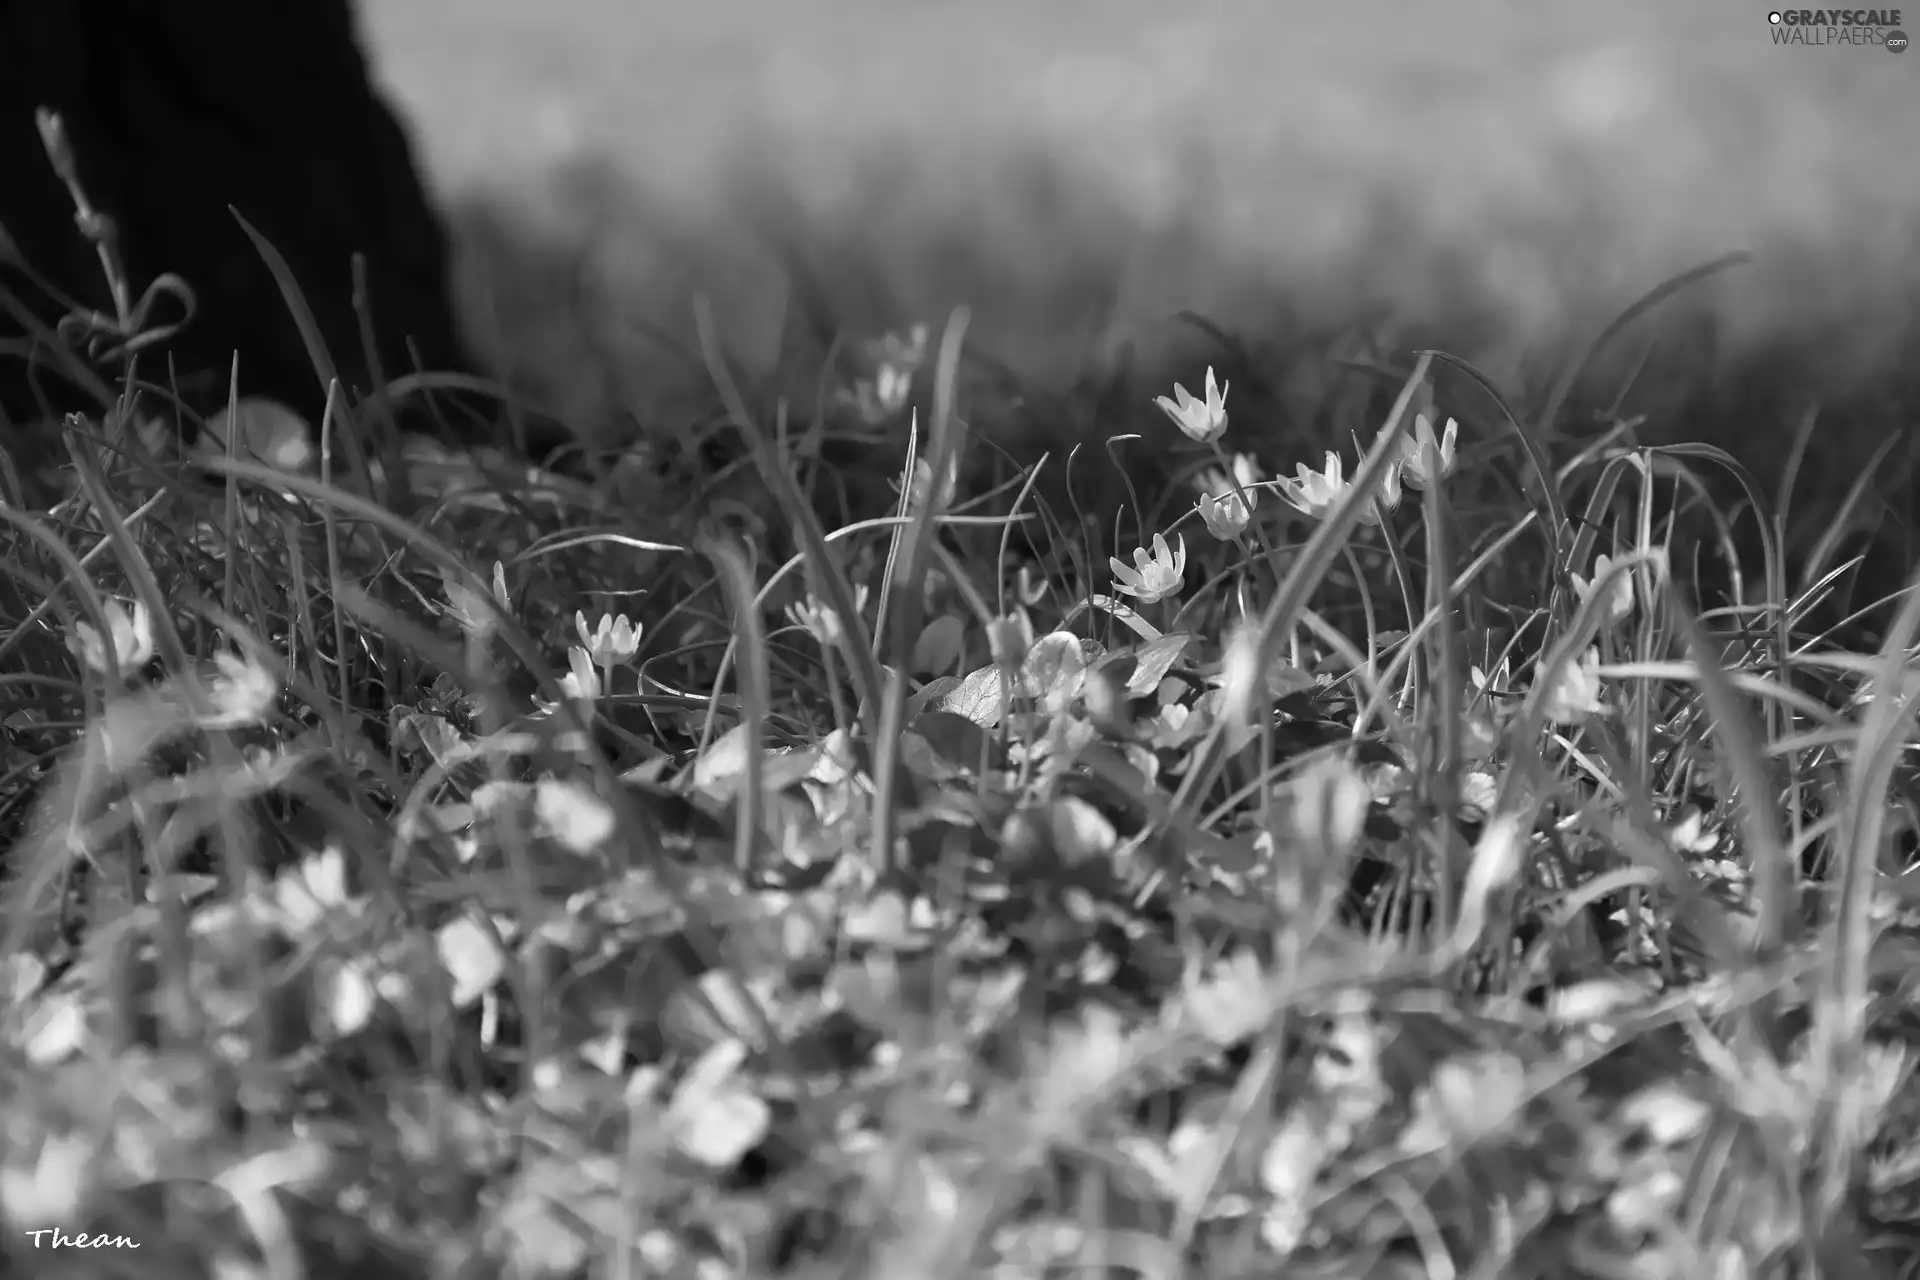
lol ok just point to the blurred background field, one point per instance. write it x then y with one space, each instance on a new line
1501 178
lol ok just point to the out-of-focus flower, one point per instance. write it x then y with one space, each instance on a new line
1498 857
1009 637
1331 800
1317 493
879 398
921 487
1618 606
1575 692
1229 1001
1413 451
715 1118
1388 499
581 684
1243 695
53 1187
819 619
572 814
1153 577
468 608
895 358
242 692
905 350
1226 504
269 430
1201 420
1691 834
1466 1099
891 387
132 635
304 896
614 640
1488 706
472 958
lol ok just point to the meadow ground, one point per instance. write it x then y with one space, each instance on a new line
778 860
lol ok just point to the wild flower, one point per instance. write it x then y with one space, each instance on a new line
819 619
269 430
1317 493
581 684
1153 577
132 635
1413 451
241 691
1575 692
1314 493
1226 505
1331 800
896 358
1201 419
1619 602
1010 636
614 640
879 398
304 896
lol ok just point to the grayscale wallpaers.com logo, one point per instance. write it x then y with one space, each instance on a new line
1839 26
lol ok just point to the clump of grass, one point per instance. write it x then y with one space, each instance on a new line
1387 871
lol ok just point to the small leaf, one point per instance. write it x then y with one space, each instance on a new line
934 689
955 738
1284 681
724 760
435 736
1126 616
1153 660
979 698
938 649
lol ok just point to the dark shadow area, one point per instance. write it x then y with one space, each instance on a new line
177 111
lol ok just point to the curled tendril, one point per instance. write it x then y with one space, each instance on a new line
103 338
